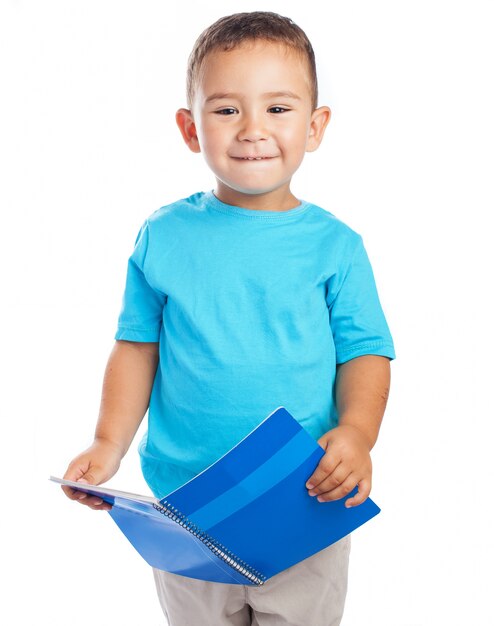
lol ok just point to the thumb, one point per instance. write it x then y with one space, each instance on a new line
86 472
82 471
323 441
94 476
364 489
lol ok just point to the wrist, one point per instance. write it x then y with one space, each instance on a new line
368 439
116 448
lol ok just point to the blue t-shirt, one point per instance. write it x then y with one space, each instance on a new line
252 310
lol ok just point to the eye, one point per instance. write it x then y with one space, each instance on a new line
226 111
278 109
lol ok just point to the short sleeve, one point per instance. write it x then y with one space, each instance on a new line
141 314
356 317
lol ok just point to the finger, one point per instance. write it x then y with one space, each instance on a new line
76 470
342 490
74 473
331 482
94 502
93 476
86 472
98 504
326 467
73 494
364 489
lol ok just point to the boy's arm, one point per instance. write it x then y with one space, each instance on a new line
125 396
127 385
362 388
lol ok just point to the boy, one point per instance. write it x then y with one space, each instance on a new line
241 300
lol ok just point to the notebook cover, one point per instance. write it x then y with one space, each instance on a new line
252 501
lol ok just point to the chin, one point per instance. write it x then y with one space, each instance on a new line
253 190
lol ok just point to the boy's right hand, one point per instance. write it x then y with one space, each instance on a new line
95 465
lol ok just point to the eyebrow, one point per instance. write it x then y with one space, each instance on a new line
269 94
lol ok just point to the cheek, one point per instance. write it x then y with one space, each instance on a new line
212 139
295 145
295 138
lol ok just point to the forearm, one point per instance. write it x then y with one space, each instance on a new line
362 388
126 391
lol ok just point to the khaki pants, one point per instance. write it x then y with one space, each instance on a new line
310 593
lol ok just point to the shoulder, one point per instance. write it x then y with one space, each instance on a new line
332 229
166 226
172 222
178 210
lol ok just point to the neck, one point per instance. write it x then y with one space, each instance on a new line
277 200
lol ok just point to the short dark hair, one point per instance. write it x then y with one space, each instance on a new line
231 31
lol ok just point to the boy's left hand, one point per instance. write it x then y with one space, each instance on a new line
347 463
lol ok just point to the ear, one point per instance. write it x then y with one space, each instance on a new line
318 122
187 127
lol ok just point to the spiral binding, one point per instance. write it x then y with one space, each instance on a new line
215 546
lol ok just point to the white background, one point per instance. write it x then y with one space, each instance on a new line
89 148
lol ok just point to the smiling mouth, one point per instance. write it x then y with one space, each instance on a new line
253 158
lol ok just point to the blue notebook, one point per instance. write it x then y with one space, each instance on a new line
246 517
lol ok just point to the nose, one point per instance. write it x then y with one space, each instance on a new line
252 128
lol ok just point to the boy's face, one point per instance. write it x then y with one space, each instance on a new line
253 121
